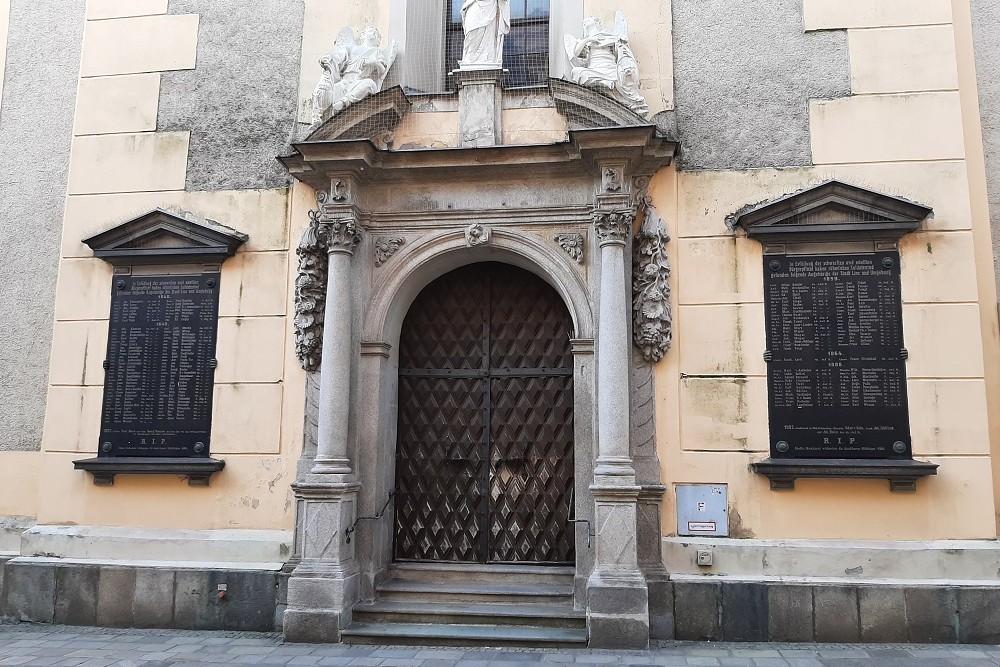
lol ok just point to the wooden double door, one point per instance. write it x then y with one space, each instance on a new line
484 453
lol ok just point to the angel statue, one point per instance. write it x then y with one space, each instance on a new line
486 24
603 59
351 72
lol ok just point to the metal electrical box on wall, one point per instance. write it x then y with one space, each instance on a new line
702 509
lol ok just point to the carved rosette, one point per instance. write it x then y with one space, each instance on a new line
572 244
613 227
386 247
652 327
476 234
310 293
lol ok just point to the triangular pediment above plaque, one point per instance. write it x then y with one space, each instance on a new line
832 211
163 237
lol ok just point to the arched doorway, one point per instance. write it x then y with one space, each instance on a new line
484 454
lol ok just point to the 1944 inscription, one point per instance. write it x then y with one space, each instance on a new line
836 371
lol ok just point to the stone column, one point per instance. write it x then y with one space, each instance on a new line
335 367
323 587
617 597
480 107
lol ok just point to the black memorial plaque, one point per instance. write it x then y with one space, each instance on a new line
160 366
836 375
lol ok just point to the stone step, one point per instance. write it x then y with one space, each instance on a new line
419 634
415 591
553 616
476 573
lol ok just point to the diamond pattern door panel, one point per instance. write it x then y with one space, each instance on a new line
484 455
531 469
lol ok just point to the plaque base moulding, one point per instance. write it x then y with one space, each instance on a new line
902 475
104 468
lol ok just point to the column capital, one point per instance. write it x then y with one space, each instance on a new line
613 227
338 222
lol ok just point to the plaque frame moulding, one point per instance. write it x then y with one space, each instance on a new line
162 245
828 219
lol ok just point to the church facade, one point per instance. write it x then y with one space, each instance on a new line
499 321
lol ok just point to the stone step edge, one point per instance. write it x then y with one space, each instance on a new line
833 581
512 609
472 632
527 590
502 568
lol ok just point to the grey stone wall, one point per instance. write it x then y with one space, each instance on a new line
744 73
987 39
240 102
36 128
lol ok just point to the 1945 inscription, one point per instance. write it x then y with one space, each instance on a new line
159 379
836 372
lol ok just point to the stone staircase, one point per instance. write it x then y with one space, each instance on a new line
431 604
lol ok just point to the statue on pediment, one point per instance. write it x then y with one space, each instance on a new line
486 24
352 71
603 59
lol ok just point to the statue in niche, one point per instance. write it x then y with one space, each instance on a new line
352 71
604 60
486 24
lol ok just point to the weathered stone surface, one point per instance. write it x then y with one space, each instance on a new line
987 43
43 56
723 122
609 632
661 609
240 110
115 591
836 609
31 592
883 614
790 613
696 609
250 601
196 602
744 612
931 615
311 627
153 604
979 616
76 595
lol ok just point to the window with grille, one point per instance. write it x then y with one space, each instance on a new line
525 51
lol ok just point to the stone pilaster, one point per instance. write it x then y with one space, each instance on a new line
617 598
480 107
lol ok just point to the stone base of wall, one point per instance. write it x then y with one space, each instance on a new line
121 596
773 611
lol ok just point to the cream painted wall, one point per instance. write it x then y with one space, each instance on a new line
259 395
904 132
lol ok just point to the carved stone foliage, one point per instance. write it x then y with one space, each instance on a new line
476 234
613 226
310 292
342 233
652 327
572 244
603 60
386 247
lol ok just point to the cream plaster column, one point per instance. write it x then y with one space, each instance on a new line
617 597
335 367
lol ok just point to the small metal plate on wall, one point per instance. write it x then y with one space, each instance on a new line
702 509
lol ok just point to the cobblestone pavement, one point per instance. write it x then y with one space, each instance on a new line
100 647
